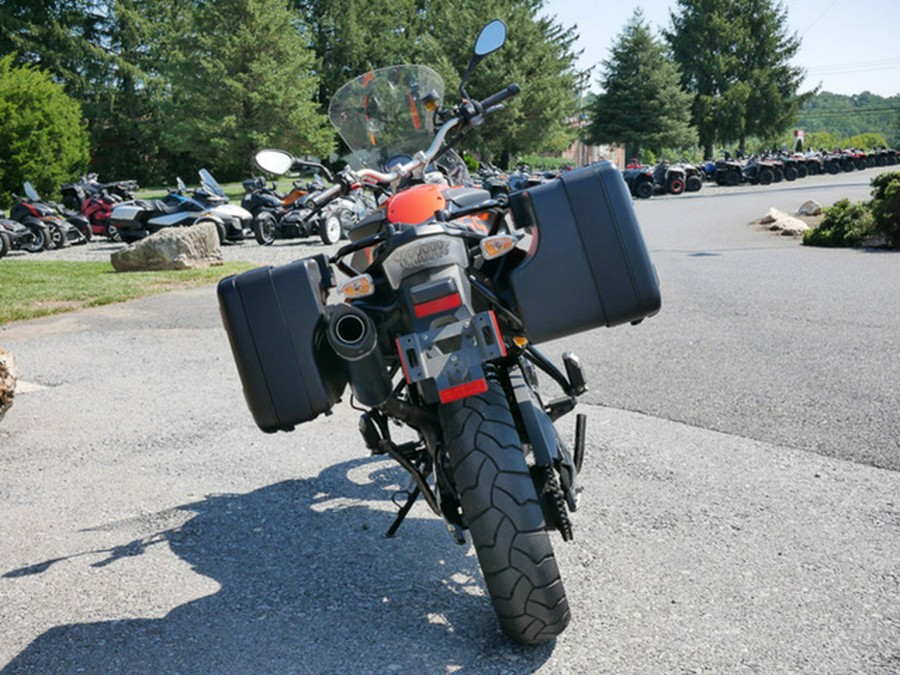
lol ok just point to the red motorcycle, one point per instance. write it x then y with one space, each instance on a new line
95 201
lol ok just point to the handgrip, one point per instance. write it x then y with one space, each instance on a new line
500 96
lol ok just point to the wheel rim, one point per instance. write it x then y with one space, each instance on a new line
333 229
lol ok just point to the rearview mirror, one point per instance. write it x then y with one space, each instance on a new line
277 162
491 38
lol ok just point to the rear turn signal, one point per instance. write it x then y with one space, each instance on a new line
494 247
358 287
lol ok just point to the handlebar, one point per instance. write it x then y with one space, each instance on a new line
500 96
319 200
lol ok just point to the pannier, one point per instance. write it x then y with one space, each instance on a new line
274 317
590 266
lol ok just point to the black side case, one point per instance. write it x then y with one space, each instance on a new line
274 319
590 267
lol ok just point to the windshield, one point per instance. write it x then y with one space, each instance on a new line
210 183
386 115
31 193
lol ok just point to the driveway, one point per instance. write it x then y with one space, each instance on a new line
148 526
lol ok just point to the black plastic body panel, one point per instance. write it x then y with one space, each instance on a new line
590 266
274 317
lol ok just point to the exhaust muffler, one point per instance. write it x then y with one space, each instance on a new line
354 339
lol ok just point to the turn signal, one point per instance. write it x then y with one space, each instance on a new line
494 247
358 287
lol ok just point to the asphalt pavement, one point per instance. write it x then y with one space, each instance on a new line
739 514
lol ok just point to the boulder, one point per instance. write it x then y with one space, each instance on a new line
172 248
779 221
810 208
7 381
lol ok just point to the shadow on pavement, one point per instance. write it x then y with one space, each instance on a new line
308 583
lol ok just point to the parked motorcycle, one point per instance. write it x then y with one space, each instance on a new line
96 200
278 216
38 214
75 194
19 237
448 292
140 218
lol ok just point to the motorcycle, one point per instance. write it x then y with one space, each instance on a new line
277 216
39 215
448 292
140 218
18 237
96 200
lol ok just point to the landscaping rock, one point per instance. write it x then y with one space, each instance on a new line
172 248
7 381
810 208
780 222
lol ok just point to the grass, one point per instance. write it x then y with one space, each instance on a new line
29 289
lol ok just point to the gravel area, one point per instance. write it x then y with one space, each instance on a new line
278 253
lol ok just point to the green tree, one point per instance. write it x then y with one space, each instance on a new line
642 104
735 57
42 138
241 77
538 56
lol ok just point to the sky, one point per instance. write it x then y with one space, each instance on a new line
847 46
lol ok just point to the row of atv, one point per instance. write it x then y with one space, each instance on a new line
674 179
768 169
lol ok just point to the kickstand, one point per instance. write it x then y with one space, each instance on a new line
401 515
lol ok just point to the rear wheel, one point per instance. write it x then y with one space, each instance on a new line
38 241
790 173
4 244
264 228
644 189
765 176
505 518
675 185
693 184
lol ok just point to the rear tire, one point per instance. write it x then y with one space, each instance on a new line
644 190
264 228
675 186
4 244
505 518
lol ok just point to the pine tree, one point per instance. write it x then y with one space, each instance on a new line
734 58
241 78
642 104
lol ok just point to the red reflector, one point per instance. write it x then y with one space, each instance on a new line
463 390
451 301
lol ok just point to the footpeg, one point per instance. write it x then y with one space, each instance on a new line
575 373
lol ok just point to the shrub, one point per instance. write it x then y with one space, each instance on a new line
844 224
885 206
42 138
